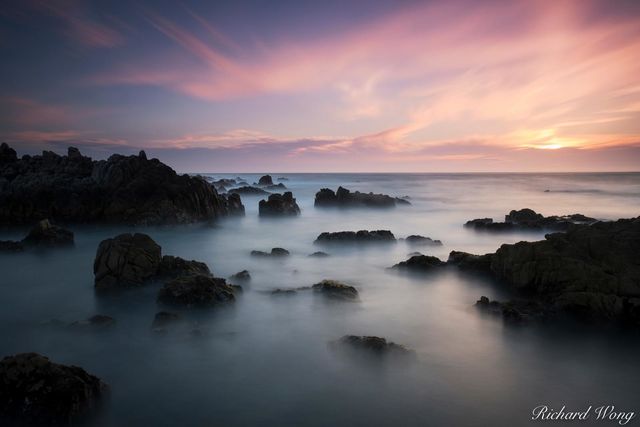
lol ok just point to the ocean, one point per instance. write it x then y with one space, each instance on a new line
265 359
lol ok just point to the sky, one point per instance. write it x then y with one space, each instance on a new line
331 86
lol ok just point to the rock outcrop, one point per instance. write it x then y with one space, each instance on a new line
344 198
420 263
241 276
362 236
45 234
275 252
528 219
37 392
265 180
173 266
196 291
122 189
418 240
279 205
370 345
336 290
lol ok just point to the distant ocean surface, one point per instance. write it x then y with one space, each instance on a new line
265 361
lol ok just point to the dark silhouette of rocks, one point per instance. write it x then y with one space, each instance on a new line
276 187
248 191
515 312
418 240
370 345
420 263
336 290
37 392
275 252
528 219
319 254
466 261
265 180
241 276
362 236
163 319
196 291
172 266
45 234
344 198
279 205
122 189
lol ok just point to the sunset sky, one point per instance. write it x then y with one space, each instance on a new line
328 86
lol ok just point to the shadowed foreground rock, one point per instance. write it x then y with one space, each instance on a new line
122 189
528 219
362 236
346 199
37 392
196 291
370 345
279 205
336 290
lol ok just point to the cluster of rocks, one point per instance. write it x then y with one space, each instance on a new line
346 199
122 189
362 236
275 253
279 205
528 219
370 345
43 235
266 181
247 190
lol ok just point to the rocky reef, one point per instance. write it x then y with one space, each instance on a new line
528 219
362 236
279 205
36 392
344 198
122 189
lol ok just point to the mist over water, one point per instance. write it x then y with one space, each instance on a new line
265 361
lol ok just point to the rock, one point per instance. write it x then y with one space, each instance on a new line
196 291
371 345
11 246
162 319
233 204
336 290
97 321
528 219
7 154
466 261
248 190
265 180
241 276
172 267
319 254
45 234
122 189
362 236
127 260
422 241
345 199
420 263
414 254
276 187
283 292
279 205
36 392
275 252
515 312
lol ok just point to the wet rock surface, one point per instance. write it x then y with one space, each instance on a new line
279 205
196 291
528 219
122 189
36 392
362 236
346 199
336 290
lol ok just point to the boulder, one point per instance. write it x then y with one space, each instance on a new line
233 204
362 236
422 241
336 290
127 260
45 234
346 199
265 180
196 291
275 252
279 205
36 392
370 345
172 267
420 263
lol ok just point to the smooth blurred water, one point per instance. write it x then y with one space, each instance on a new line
264 360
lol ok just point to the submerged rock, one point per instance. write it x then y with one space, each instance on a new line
45 234
371 345
284 292
528 219
122 189
422 241
420 263
362 236
275 252
276 187
127 260
172 266
37 392
336 290
346 199
319 254
197 291
279 205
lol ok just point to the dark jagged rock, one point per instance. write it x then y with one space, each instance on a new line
528 219
222 184
172 266
279 205
345 199
362 236
420 263
319 254
336 290
422 241
248 191
36 392
196 291
98 321
516 311
7 154
127 260
466 261
122 189
241 276
265 180
46 234
275 252
162 319
371 345
233 204
11 246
